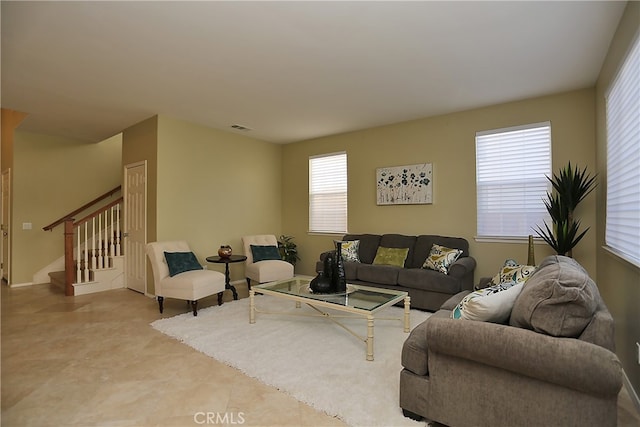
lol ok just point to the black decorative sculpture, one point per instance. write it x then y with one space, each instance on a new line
339 277
323 282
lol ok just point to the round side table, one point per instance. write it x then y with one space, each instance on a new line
226 261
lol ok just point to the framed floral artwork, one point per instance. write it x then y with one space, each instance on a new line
405 185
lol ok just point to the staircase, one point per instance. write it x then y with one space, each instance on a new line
94 279
93 256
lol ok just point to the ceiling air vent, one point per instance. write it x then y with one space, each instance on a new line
240 127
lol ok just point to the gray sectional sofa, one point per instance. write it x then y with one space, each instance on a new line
428 289
552 364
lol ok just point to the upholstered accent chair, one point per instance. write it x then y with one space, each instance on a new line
182 277
265 266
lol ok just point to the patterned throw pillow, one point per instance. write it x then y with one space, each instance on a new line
492 304
391 256
512 272
179 262
440 258
350 250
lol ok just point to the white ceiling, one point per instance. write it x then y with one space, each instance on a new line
289 70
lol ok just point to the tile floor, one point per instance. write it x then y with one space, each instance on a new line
93 360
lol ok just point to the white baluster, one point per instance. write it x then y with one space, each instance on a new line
106 242
78 260
93 243
86 253
100 259
118 252
112 247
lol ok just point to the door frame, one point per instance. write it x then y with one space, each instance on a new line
5 221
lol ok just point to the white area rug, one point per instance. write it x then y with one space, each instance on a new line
312 359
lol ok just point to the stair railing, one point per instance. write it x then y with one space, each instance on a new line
94 246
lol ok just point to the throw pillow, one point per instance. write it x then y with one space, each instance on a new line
559 299
350 250
512 272
391 256
492 304
263 253
440 258
179 262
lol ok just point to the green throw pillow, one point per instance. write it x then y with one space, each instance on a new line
263 253
179 262
440 258
391 256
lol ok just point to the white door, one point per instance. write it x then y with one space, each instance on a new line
135 226
6 224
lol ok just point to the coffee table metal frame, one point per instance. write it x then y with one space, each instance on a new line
318 304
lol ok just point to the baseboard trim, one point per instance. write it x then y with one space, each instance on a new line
632 393
21 285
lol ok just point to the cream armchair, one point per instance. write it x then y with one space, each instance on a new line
264 270
190 283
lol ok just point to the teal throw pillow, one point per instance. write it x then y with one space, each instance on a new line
179 262
263 253
391 256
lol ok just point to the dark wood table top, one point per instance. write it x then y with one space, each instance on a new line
226 260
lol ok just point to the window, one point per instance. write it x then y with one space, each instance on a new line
512 166
622 231
328 193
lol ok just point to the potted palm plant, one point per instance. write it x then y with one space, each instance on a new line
288 249
570 187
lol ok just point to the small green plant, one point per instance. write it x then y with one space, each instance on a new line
288 249
570 187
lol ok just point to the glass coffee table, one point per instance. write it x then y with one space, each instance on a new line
357 301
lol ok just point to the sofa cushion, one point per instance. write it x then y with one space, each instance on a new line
440 258
383 274
351 270
559 299
492 304
399 241
391 256
419 278
368 245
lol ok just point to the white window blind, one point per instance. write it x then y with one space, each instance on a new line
622 232
328 193
512 165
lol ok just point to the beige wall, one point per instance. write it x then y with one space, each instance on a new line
9 122
44 191
206 186
448 142
619 281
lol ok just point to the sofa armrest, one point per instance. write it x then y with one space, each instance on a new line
463 269
323 255
567 362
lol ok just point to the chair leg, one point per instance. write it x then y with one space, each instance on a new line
220 297
194 304
160 300
249 283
